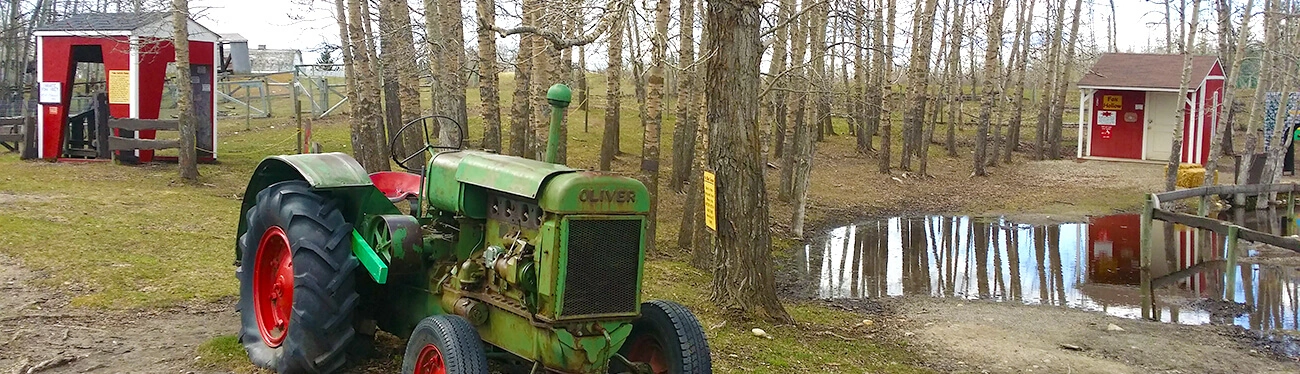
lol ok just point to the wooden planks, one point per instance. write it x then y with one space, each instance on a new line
1221 227
117 143
1249 189
135 124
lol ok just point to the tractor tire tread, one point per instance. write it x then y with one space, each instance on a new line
325 295
457 341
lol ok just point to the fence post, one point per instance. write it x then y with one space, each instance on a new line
265 90
297 117
1148 301
101 127
1230 270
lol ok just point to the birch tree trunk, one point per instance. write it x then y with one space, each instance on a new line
1045 104
522 106
367 131
613 81
1229 94
1024 27
859 89
654 107
886 85
1066 65
402 70
453 50
917 81
1176 148
803 132
684 126
782 61
797 104
952 77
992 92
698 238
188 160
487 83
742 276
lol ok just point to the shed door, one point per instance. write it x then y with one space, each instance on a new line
1117 118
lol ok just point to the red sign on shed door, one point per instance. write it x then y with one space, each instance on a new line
1117 122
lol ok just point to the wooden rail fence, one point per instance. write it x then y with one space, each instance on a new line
1229 231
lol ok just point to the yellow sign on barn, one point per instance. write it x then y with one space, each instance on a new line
1112 102
710 201
119 87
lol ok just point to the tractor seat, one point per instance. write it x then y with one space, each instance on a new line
397 185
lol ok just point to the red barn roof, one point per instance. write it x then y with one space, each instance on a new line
1142 71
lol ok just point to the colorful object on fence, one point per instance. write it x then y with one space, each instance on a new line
1273 112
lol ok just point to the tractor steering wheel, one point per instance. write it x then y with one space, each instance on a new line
454 135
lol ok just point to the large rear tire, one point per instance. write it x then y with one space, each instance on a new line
297 291
444 344
669 339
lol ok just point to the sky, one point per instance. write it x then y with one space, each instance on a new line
291 24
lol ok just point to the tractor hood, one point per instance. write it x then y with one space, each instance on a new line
515 175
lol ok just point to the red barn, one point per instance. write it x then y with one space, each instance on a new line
1128 107
135 50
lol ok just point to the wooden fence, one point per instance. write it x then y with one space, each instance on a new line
1229 231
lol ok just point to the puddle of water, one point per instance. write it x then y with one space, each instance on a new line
1091 266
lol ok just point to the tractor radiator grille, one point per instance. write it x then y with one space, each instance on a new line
603 262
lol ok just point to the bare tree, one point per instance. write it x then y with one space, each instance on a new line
1230 74
189 168
803 140
918 70
1024 27
1184 47
451 49
1066 61
797 104
1045 104
886 68
613 80
401 77
367 131
654 107
522 107
860 79
684 127
992 93
742 276
952 74
487 71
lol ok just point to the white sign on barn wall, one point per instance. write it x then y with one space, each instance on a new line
1106 118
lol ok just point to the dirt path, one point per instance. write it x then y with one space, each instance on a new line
38 326
981 336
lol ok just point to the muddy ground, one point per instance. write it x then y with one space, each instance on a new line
985 336
41 333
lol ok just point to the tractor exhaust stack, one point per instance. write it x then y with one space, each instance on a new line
559 96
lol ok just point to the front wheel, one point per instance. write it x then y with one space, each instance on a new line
444 344
297 292
669 339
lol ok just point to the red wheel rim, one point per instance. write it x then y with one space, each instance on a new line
273 286
430 361
646 349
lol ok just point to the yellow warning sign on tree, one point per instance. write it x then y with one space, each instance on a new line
119 87
1112 102
710 201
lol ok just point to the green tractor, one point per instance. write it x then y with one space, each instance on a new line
483 261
